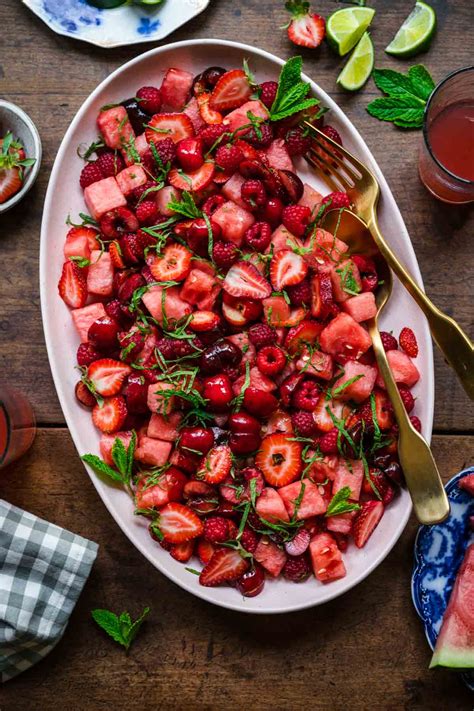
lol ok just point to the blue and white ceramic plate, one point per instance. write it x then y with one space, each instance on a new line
439 551
117 27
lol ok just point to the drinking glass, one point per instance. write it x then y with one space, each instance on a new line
17 425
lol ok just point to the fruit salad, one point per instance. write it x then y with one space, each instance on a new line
223 353
13 162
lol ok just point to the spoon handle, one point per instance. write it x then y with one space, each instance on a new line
424 483
450 338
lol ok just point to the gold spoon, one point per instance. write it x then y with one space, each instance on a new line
424 483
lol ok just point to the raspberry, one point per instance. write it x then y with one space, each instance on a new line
336 200
296 219
90 173
229 157
261 335
212 204
271 360
303 422
407 340
87 354
150 99
297 142
328 442
253 193
110 163
300 294
297 569
210 134
407 397
166 346
166 149
331 132
389 342
306 397
137 193
260 137
258 236
224 254
249 540
216 529
416 422
147 212
268 92
184 347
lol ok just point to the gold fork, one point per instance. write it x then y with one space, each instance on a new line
343 171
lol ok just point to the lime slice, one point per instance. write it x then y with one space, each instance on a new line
345 27
359 65
416 32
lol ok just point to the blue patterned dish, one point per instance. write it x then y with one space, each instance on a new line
117 27
439 551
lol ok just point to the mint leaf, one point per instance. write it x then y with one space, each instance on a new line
186 206
340 503
119 456
421 80
405 108
406 96
101 467
130 455
394 84
292 91
121 629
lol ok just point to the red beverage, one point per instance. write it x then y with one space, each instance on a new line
17 425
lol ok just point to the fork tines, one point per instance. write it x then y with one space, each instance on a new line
341 170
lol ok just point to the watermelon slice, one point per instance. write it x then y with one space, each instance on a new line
455 645
467 483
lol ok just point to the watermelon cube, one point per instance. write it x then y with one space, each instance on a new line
152 452
270 556
84 318
323 469
156 402
165 428
234 221
100 276
249 351
345 336
276 311
257 380
351 474
141 147
403 369
107 442
360 389
321 415
283 239
79 243
361 307
325 249
197 286
278 156
232 189
310 198
326 558
151 496
239 117
345 278
102 196
316 363
174 306
192 111
342 523
467 483
115 127
175 89
270 506
131 178
164 197
311 504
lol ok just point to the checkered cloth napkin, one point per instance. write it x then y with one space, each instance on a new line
43 569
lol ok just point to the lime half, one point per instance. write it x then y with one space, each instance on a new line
359 65
416 32
345 27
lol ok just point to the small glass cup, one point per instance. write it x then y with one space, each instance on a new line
17 425
448 139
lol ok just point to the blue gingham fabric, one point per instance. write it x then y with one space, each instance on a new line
43 569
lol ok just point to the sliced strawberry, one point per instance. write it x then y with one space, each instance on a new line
107 375
279 458
178 523
207 114
205 550
173 265
204 321
174 126
197 180
216 465
109 416
306 333
225 566
182 551
306 29
294 317
287 269
366 521
116 255
72 286
244 280
250 153
322 298
231 91
10 183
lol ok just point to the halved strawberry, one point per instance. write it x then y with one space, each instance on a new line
250 153
107 375
204 321
205 550
231 91
179 523
216 465
279 458
182 551
72 286
173 265
287 269
207 114
225 566
306 333
116 255
322 298
306 29
295 317
366 521
174 126
197 180
10 183
244 280
109 416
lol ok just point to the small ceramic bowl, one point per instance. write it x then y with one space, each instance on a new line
14 119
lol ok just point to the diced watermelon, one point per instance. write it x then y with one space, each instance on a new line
321 416
360 389
239 117
100 276
151 496
350 476
249 351
115 127
467 483
175 89
149 347
102 196
315 363
361 307
192 110
232 189
326 558
345 336
234 221
345 278
165 428
403 369
152 452
325 248
174 306
278 156
342 523
131 178
311 198
283 239
107 442
141 147
84 318
323 469
197 286
79 244
312 503
156 402
270 506
270 556
164 197
257 380
276 310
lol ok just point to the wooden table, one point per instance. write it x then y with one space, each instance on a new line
366 649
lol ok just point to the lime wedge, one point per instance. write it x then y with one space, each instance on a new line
359 65
416 32
345 27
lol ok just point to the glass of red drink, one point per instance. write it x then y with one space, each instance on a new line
446 163
17 425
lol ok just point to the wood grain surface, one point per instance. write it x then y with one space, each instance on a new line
364 650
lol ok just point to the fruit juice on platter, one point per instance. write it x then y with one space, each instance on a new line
17 425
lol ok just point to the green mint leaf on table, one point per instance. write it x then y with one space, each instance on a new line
340 503
119 627
292 91
422 80
393 83
406 98
402 108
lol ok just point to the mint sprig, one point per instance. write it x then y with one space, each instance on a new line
122 458
340 503
292 93
186 206
119 627
406 96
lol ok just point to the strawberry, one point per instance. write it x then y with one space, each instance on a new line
72 286
279 458
205 551
307 332
178 523
110 416
204 321
216 465
107 375
173 265
287 269
197 180
226 565
211 117
231 91
244 280
366 521
174 126
408 343
116 255
306 29
182 551
10 183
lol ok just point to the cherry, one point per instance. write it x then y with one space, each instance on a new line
132 343
252 582
259 402
84 395
272 211
103 333
175 483
220 354
114 309
133 282
288 387
198 235
242 422
197 488
189 154
202 505
218 391
135 393
292 185
244 442
131 248
188 461
226 509
198 439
